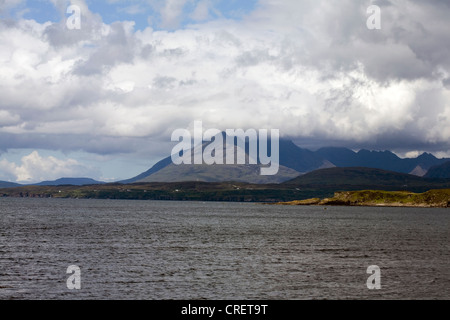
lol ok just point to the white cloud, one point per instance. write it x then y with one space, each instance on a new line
171 13
310 68
132 10
6 118
6 5
201 11
34 168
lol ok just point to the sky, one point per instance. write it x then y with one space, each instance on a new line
102 100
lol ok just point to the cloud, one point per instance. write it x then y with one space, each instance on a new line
132 10
34 168
6 5
201 11
171 12
6 118
91 27
309 68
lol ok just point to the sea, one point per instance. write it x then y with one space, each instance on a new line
73 249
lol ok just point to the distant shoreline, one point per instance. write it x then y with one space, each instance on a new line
237 192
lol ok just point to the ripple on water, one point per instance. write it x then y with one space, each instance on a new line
192 250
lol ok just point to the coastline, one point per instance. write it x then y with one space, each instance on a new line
379 198
235 192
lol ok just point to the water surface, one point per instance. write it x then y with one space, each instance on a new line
194 250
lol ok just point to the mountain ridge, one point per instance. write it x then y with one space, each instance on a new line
69 181
293 160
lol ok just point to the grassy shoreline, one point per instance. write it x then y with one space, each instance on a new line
378 198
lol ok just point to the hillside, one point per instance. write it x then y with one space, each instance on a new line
354 176
365 178
218 173
299 159
69 181
157 167
442 171
5 184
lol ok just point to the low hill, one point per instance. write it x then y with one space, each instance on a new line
6 184
366 178
70 181
441 171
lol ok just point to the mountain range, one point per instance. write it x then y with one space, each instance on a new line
58 182
294 161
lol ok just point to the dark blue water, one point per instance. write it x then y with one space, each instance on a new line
194 250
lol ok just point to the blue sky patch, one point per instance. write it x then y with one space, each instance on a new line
143 13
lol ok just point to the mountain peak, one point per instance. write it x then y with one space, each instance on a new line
426 156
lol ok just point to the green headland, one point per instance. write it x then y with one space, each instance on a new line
429 199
